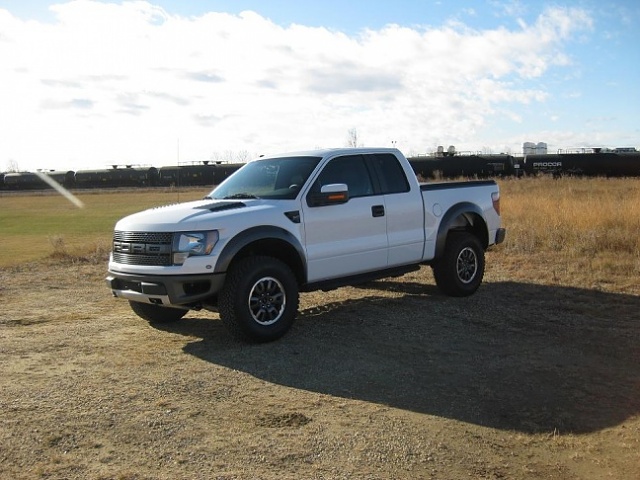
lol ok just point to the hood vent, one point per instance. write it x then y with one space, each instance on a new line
221 206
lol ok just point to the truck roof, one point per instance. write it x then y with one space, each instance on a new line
323 152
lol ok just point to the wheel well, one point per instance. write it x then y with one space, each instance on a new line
464 222
474 224
276 248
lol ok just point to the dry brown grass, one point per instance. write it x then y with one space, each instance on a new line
92 252
572 231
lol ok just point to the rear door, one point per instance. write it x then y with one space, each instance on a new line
348 238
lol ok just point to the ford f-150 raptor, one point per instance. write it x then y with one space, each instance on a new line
296 222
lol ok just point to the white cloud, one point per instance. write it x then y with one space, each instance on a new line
513 8
121 83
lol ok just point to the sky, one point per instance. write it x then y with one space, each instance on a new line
87 84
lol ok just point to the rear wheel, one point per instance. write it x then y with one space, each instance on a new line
459 271
156 313
259 300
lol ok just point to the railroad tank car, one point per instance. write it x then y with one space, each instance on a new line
186 175
31 181
23 181
606 164
472 166
205 174
116 177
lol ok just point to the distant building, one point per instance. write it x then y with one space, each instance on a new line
530 148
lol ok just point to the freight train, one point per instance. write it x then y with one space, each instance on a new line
621 162
197 174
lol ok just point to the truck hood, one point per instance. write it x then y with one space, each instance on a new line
188 216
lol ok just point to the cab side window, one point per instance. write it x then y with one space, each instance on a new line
350 170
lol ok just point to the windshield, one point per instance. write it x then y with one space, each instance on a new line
276 178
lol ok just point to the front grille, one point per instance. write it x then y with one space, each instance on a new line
144 237
142 248
132 259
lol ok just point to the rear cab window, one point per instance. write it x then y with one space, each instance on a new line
390 173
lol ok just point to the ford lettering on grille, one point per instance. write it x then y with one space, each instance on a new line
142 248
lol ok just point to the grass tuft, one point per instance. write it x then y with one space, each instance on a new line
97 252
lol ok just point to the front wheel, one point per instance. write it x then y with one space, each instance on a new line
459 271
157 314
259 300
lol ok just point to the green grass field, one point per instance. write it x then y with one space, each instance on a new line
37 225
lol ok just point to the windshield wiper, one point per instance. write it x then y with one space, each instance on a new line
240 195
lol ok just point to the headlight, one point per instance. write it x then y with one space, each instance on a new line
189 244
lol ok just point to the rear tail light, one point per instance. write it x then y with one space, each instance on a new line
495 198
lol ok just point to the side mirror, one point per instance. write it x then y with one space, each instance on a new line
331 194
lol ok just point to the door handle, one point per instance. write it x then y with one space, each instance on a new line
377 210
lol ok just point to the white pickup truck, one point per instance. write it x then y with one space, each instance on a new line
296 222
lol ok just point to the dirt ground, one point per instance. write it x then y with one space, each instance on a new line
388 380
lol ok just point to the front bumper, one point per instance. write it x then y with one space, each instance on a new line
501 233
173 290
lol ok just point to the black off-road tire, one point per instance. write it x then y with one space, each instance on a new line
259 300
156 313
459 272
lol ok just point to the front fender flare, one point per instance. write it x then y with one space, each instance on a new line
256 234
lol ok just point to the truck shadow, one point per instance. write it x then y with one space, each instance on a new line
514 356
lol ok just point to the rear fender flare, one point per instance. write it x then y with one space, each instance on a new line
461 216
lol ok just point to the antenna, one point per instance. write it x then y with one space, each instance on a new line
178 169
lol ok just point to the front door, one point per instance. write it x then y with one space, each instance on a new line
348 238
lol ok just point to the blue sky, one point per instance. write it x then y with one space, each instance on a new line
96 83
